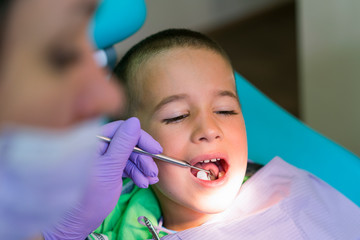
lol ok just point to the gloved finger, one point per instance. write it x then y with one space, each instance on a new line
148 143
108 130
152 180
136 175
124 139
145 164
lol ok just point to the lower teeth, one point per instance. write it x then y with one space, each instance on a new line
221 174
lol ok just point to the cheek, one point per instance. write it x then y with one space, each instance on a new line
172 181
37 100
236 138
236 133
169 173
172 140
35 95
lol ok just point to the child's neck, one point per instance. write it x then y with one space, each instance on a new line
177 217
181 219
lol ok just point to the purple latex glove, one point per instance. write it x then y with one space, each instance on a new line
115 161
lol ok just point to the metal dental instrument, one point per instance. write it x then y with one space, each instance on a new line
151 228
160 157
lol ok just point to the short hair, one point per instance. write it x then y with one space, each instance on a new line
149 47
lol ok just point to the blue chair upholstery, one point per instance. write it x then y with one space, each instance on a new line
271 131
116 20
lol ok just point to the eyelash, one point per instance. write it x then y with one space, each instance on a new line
227 113
181 117
175 119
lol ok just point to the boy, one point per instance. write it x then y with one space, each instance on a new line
181 86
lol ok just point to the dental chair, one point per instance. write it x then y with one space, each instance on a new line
271 131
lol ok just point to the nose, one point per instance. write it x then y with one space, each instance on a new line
99 95
206 130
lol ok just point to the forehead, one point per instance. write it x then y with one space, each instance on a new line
195 67
46 17
195 72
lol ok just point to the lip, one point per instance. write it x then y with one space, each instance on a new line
214 183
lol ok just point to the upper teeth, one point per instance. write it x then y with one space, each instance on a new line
210 160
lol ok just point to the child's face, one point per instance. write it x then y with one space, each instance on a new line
191 108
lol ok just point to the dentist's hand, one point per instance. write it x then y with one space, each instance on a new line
125 135
115 160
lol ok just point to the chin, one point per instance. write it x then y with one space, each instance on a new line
214 205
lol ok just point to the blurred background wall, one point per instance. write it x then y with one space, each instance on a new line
329 54
303 54
200 15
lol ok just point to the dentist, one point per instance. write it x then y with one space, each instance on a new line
57 181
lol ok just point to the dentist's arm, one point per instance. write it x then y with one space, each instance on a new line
115 161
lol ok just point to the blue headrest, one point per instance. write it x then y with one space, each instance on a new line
272 131
116 20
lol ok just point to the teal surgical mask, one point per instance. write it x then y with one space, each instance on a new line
42 174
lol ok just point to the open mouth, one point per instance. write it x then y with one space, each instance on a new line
217 167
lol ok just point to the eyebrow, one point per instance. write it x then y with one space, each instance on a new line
88 7
227 93
170 99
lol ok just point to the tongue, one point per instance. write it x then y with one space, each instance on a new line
208 166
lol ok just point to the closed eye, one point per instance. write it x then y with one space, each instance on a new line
226 113
175 119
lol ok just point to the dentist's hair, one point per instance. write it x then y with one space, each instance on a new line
132 62
5 8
